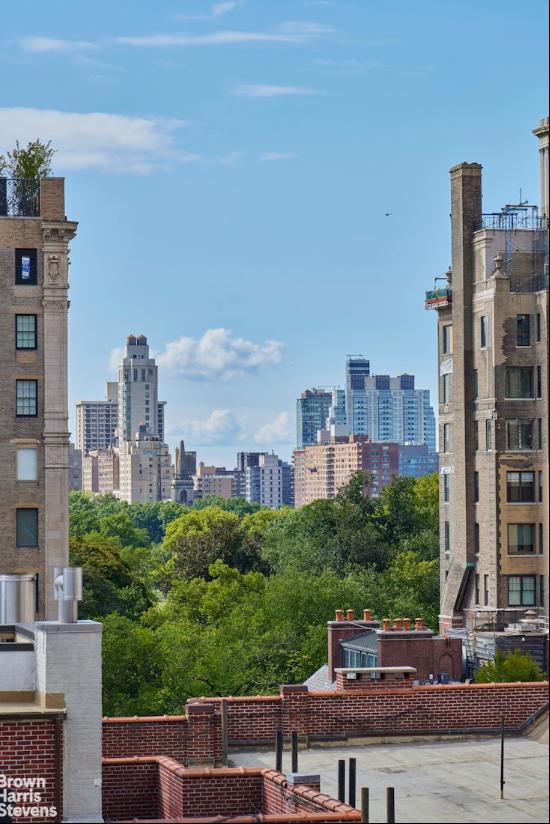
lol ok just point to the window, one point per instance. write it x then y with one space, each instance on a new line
25 267
521 590
447 346
476 537
446 388
521 487
477 589
538 327
539 433
25 331
523 330
446 437
519 434
476 487
541 539
540 486
26 527
447 534
26 464
488 435
476 435
519 381
541 591
539 381
475 385
483 331
446 487
135 374
486 590
521 539
26 398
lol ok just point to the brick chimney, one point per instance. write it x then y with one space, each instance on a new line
340 630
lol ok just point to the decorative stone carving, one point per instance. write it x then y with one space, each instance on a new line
54 268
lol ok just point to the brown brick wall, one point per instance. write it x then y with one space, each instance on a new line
162 735
161 788
422 709
28 750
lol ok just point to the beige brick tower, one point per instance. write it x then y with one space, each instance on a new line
493 417
34 437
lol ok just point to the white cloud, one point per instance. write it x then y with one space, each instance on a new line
268 156
51 44
115 358
222 427
276 431
265 90
96 140
231 158
217 10
289 32
217 355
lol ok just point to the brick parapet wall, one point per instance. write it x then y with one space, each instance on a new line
160 788
28 750
466 708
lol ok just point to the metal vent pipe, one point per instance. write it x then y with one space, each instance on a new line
68 592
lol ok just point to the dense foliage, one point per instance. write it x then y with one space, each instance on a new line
225 597
512 666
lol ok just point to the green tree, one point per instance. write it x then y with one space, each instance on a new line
198 538
132 666
121 526
240 506
32 162
82 514
512 666
108 582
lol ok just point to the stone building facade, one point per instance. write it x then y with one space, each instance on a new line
34 436
493 410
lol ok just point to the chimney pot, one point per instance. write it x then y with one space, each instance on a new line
367 615
419 623
339 615
350 615
398 624
386 624
407 623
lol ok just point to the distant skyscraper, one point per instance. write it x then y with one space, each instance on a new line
388 409
137 390
96 421
312 408
144 468
268 482
416 460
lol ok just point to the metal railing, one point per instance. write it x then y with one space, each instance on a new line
510 219
19 197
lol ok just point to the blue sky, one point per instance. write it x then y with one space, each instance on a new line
231 165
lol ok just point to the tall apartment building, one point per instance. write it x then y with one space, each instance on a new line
269 482
312 409
34 431
416 461
320 471
137 390
216 480
75 469
144 468
96 421
493 412
100 472
389 409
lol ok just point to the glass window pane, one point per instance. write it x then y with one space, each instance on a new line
523 330
27 527
26 464
514 590
25 326
26 398
528 590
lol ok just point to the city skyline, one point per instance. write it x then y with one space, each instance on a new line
334 117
